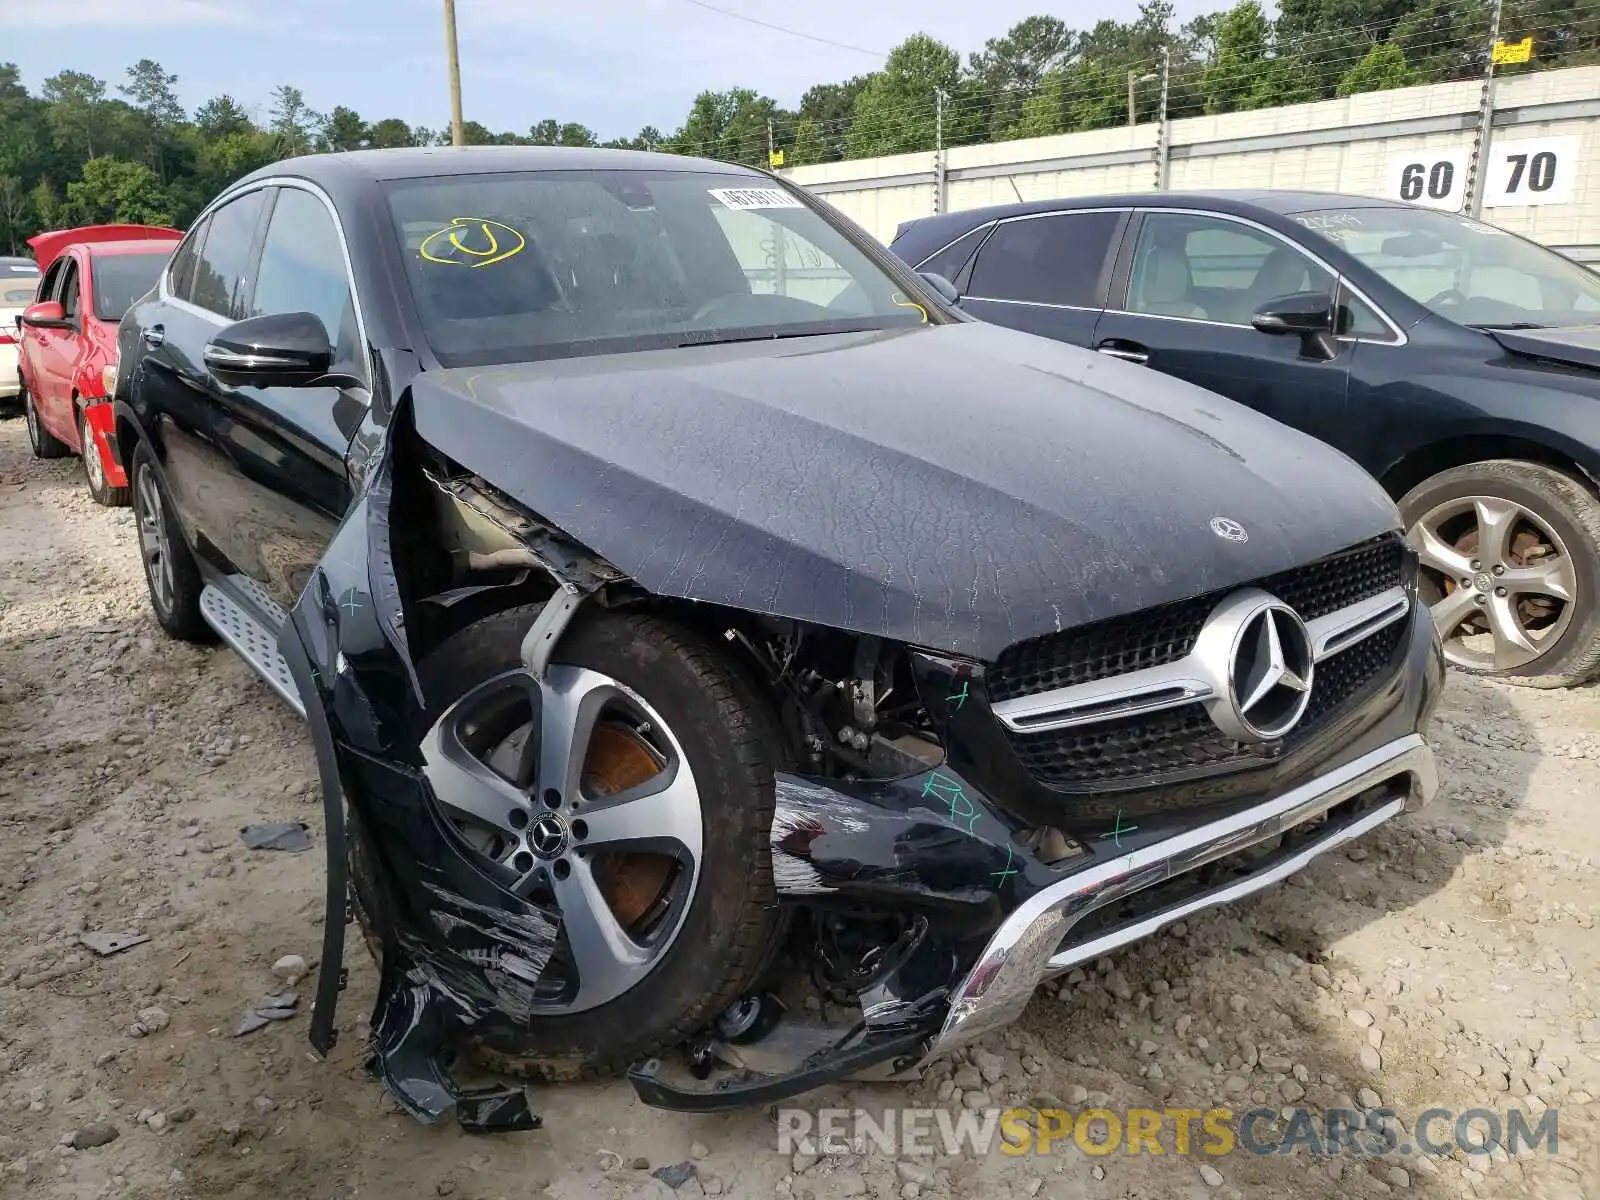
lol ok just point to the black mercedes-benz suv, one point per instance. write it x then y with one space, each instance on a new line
677 588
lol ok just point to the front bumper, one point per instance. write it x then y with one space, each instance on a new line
1043 936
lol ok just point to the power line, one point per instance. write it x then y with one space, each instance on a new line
810 37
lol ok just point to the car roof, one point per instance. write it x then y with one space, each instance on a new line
1237 201
422 162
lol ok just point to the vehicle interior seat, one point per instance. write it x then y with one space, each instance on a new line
1163 283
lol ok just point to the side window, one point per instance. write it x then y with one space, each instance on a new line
50 284
225 255
949 261
302 270
1358 319
71 299
1209 269
180 274
1057 259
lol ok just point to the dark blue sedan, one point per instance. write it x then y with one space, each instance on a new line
1456 362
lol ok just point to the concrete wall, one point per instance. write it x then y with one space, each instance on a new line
1335 145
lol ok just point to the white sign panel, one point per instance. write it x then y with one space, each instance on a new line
1432 178
1530 171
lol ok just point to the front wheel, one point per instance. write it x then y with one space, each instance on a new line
1511 570
640 810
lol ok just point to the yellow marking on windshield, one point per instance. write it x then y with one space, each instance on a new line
463 230
900 301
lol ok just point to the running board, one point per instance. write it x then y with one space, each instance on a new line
252 641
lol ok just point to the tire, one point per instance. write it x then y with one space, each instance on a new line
175 597
94 470
45 444
732 918
1550 545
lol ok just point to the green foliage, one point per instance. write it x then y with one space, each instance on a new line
114 191
1384 67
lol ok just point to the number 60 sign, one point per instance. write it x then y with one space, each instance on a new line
1431 178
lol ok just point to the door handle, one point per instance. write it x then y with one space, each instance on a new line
155 336
1126 351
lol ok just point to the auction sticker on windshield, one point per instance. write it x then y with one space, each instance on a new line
747 198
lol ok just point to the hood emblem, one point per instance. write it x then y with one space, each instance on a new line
1226 527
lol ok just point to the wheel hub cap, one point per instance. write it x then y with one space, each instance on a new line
549 838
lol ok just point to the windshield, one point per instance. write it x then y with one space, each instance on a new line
120 279
530 265
1472 273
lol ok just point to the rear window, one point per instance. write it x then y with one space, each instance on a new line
120 279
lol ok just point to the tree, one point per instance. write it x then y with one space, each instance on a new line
1011 68
896 111
74 100
14 210
293 121
220 117
344 130
831 108
390 133
152 92
1383 68
115 191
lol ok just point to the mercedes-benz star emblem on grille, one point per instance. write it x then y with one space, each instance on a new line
1270 677
1226 527
548 838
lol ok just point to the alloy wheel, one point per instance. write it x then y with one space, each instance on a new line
596 816
154 547
92 465
1500 580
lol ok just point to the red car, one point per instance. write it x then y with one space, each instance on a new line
68 340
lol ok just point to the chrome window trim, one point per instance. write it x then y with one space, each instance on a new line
1192 678
304 185
1400 338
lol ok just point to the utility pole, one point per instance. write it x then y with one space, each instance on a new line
1163 128
1472 202
458 136
1133 112
938 151
772 149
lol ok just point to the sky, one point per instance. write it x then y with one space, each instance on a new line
614 65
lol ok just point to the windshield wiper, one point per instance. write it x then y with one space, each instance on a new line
1508 325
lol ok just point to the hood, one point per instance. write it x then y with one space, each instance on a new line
1576 345
47 247
958 487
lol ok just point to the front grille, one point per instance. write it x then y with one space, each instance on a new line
1180 743
1164 635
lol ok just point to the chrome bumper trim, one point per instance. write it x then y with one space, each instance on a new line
1027 948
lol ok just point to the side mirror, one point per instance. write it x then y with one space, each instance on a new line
1303 313
940 284
48 314
280 350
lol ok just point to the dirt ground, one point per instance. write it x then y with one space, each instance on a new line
1449 961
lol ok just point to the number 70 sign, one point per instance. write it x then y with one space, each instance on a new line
1530 171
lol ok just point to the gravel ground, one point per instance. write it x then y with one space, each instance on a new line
1448 961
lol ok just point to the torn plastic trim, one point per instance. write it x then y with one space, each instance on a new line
458 952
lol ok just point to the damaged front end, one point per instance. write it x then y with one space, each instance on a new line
928 880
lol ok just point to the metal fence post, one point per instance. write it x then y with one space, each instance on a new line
938 151
1472 201
1163 132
